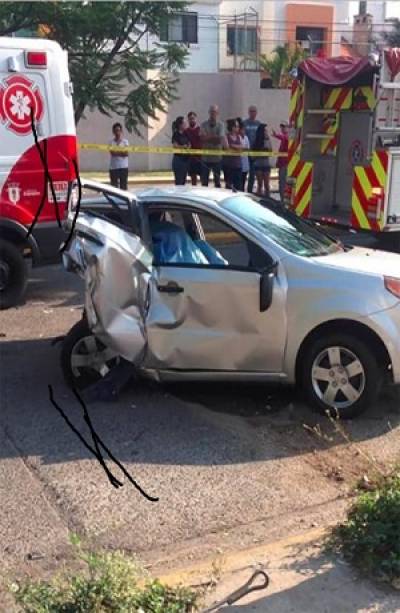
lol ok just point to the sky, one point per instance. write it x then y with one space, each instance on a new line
393 7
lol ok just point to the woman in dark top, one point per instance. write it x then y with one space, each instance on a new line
233 162
180 161
262 165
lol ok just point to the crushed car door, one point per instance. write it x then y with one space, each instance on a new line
204 308
116 266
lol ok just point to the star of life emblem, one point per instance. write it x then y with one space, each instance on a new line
19 97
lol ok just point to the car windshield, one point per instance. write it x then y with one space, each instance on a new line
283 227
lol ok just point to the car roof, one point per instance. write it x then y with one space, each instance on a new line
184 193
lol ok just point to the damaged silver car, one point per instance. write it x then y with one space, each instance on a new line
204 284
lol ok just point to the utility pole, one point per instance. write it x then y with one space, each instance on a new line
245 40
235 38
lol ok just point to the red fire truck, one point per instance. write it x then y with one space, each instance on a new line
344 145
34 83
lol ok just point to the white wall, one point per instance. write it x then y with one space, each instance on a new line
203 57
233 92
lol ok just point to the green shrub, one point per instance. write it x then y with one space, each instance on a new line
370 537
113 583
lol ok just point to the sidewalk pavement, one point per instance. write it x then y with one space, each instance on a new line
303 579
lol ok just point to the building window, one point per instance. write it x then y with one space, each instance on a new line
241 40
312 39
180 28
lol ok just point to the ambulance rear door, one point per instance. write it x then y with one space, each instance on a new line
34 79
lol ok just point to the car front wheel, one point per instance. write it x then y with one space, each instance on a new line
84 359
341 376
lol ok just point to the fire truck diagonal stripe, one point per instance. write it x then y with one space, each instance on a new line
372 177
293 144
365 185
292 166
359 212
338 99
331 100
304 196
344 99
302 182
379 167
358 200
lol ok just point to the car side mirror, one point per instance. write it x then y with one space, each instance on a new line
267 286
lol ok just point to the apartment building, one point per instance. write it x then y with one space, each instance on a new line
231 34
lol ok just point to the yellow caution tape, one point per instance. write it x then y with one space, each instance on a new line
202 152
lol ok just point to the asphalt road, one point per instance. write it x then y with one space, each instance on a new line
231 465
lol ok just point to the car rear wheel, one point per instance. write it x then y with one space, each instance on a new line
84 359
13 275
341 376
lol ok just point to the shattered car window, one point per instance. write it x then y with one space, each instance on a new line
285 229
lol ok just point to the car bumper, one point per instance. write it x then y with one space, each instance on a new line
387 326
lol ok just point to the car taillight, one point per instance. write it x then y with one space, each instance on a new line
36 59
393 286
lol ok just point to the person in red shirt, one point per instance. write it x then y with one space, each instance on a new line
193 134
282 162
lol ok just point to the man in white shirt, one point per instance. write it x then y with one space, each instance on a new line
118 160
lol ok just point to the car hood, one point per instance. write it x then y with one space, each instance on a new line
364 260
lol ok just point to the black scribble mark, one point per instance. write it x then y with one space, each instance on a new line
77 209
48 180
97 444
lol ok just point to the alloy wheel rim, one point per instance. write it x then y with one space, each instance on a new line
89 354
338 377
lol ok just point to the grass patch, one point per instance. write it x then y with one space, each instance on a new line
370 536
113 582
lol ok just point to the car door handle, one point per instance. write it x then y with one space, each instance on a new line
170 288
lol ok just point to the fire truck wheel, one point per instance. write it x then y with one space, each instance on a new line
13 275
84 359
341 376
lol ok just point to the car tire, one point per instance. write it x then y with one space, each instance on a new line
73 345
13 275
340 355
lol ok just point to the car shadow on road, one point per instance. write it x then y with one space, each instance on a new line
55 287
196 424
283 409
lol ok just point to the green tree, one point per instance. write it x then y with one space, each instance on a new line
284 59
109 67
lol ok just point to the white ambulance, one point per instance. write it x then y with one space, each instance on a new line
34 83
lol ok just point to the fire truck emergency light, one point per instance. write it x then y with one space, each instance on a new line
36 59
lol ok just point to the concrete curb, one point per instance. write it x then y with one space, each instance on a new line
202 572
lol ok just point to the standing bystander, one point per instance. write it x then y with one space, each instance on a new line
180 140
119 162
250 125
233 163
282 162
212 137
262 164
193 134
245 147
